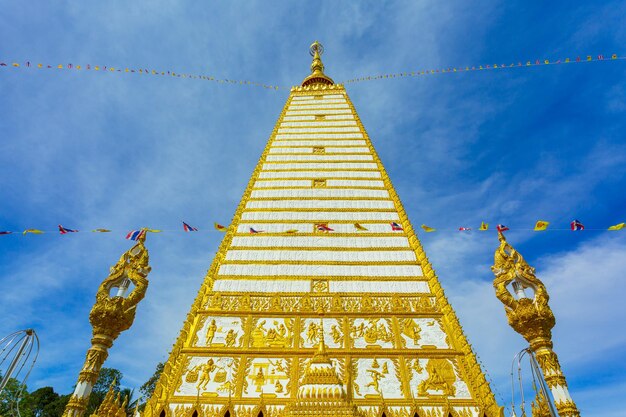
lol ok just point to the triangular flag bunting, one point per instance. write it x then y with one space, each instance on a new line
135 234
188 228
65 230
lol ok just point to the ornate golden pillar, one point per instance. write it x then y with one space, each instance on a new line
531 317
111 315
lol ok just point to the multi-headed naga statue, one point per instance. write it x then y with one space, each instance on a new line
111 315
531 317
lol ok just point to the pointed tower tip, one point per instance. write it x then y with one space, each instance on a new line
321 355
317 67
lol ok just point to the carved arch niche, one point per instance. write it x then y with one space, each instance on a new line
259 411
228 411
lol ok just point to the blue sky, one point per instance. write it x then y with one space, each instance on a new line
87 150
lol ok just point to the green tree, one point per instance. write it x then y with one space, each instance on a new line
45 402
56 408
15 400
131 402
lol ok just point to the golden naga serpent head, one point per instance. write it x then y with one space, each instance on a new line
113 311
529 316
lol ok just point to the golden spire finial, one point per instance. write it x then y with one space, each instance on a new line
317 67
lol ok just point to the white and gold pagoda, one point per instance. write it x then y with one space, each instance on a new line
320 300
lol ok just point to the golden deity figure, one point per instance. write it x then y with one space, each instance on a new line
412 330
531 317
441 377
110 316
231 338
205 373
210 332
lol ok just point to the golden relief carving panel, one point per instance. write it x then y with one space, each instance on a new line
267 378
212 376
333 333
376 377
272 332
320 300
436 377
221 332
422 333
370 333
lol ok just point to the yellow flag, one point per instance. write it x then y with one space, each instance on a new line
33 231
220 227
101 230
359 227
292 231
428 229
541 225
153 230
483 226
619 226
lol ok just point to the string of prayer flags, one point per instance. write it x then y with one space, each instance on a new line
516 64
446 70
138 71
65 230
576 225
540 225
359 227
188 228
219 227
135 234
501 228
396 227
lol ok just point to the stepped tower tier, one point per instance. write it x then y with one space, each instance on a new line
321 255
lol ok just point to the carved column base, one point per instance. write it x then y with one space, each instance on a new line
552 373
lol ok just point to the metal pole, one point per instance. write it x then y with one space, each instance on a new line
537 374
16 359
